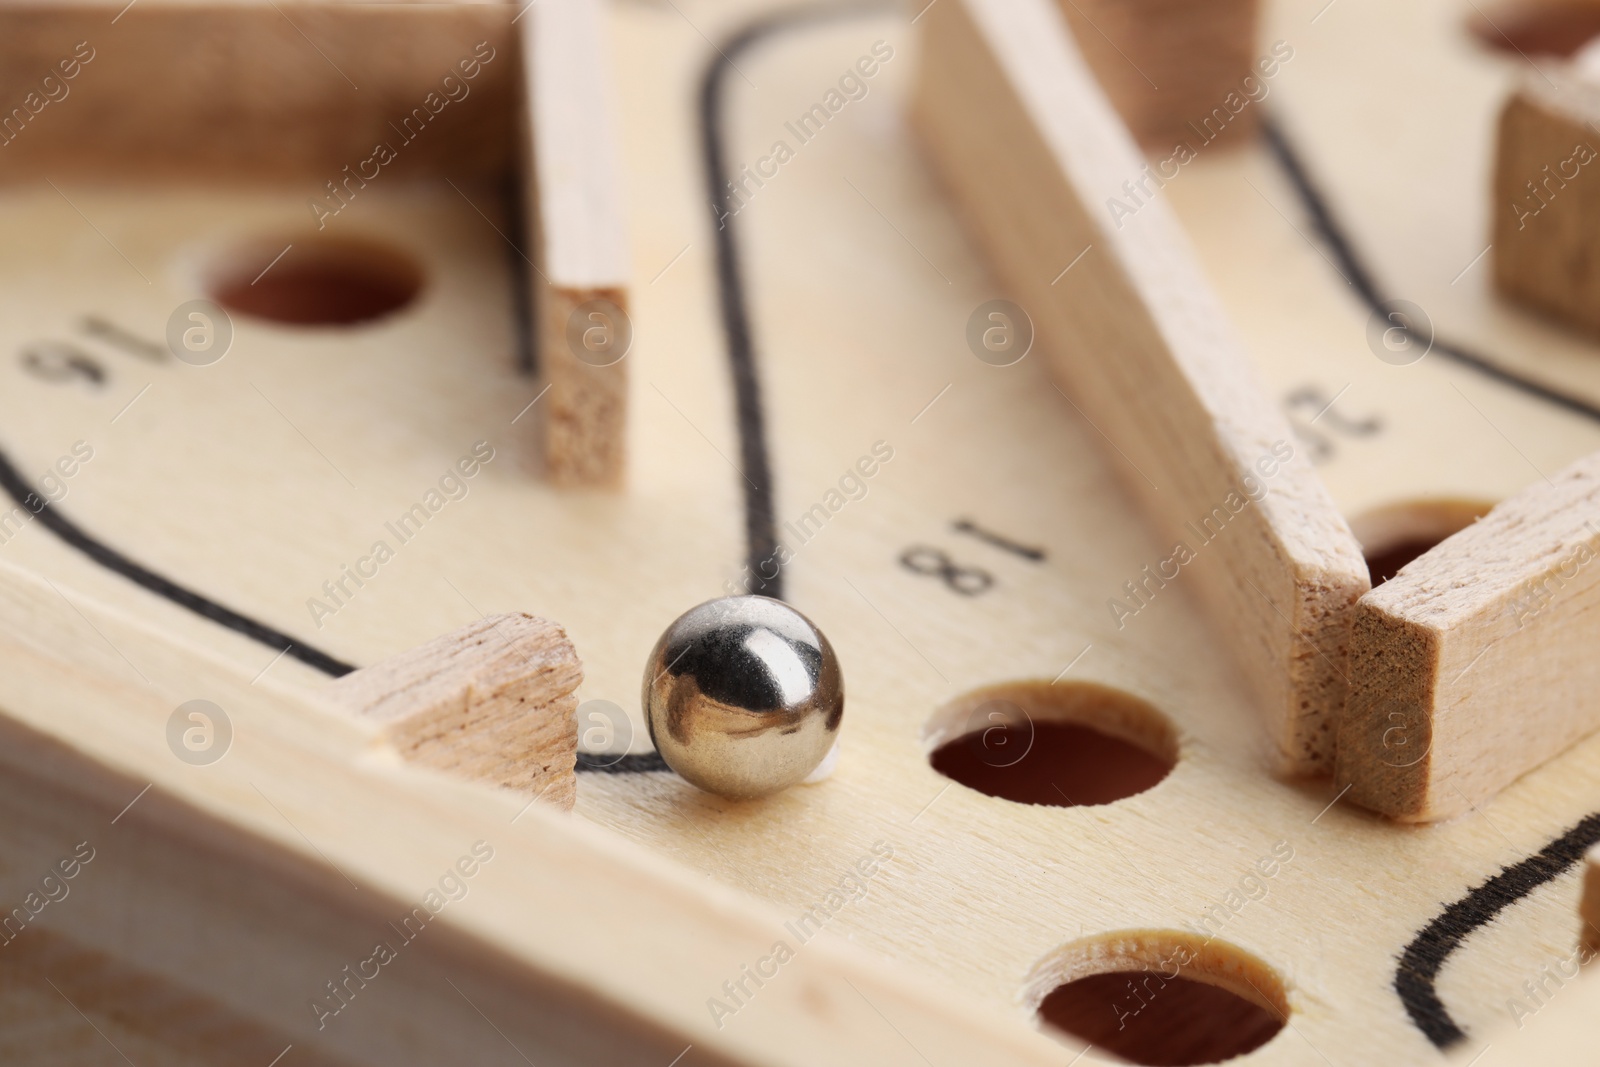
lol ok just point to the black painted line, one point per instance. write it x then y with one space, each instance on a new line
760 528
1361 279
42 509
17 487
1418 970
1420 962
632 763
760 524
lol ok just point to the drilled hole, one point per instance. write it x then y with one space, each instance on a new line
1537 27
316 282
1065 745
1395 535
1145 1017
1163 998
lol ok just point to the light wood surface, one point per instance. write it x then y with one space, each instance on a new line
283 869
1545 213
1549 1018
491 701
466 90
861 282
1475 664
1145 351
67 1006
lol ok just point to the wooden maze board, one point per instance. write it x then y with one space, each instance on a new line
256 479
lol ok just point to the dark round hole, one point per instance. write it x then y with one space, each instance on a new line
1066 765
1537 27
1154 1018
1395 535
1062 745
316 282
1386 563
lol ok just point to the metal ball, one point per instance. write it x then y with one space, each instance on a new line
743 696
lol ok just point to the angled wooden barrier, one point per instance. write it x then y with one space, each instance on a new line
1032 153
490 702
580 285
300 798
466 91
1478 661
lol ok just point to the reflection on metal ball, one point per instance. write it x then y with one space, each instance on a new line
743 696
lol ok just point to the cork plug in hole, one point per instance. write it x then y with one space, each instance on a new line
1064 745
315 281
1160 997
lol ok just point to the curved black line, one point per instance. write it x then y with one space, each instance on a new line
19 490
1361 279
632 763
760 523
1423 958
1417 971
17 487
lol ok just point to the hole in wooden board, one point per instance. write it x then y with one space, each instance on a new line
315 281
1160 997
1145 1017
1395 535
1068 744
1537 27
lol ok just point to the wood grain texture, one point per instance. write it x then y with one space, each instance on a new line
1030 149
296 92
1549 1020
65 1005
1546 207
1414 442
615 568
359 837
490 702
187 933
253 99
1167 64
577 226
1475 663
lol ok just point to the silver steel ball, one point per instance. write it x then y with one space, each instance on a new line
743 696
